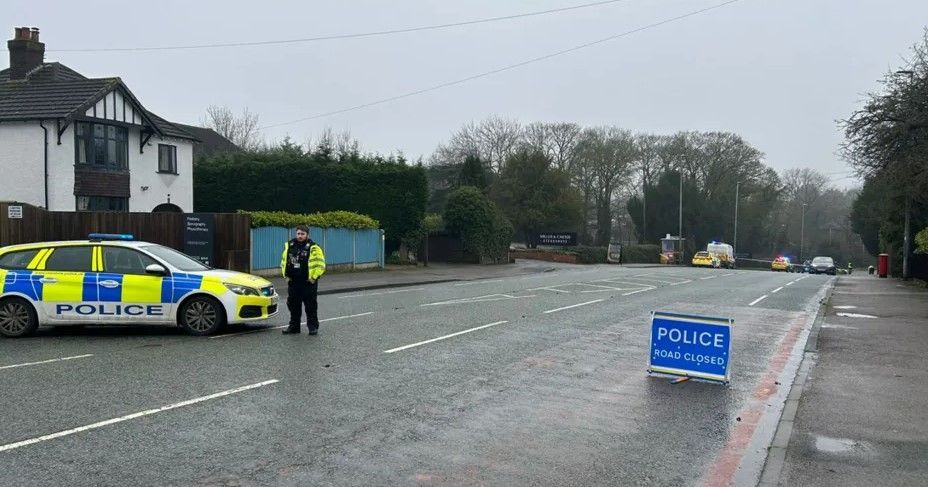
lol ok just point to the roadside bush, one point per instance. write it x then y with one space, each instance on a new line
331 219
483 228
590 255
641 254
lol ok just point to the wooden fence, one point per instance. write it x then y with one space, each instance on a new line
231 244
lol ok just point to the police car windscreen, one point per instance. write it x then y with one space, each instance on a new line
175 258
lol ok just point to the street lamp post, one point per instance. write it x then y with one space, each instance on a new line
802 232
906 241
680 228
735 242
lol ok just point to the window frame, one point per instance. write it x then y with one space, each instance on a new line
104 248
85 136
123 208
25 266
172 163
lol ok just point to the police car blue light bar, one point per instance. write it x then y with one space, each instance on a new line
110 236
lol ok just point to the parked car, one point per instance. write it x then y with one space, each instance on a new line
823 265
705 259
780 264
113 279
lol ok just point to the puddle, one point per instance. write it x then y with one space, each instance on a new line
836 445
845 307
842 327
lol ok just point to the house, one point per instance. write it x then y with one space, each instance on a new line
210 142
72 143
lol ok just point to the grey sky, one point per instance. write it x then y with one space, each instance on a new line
777 72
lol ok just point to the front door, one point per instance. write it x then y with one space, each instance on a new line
124 282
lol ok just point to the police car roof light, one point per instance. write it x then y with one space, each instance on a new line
110 236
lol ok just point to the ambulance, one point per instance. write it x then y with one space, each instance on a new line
114 279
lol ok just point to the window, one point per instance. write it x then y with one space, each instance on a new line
120 260
176 259
102 203
76 259
17 260
101 146
167 158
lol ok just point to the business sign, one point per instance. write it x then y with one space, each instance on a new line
14 212
614 253
566 239
199 234
691 346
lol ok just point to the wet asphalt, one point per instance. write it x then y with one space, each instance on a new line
542 396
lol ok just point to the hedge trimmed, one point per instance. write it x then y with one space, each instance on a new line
641 254
391 192
331 219
590 255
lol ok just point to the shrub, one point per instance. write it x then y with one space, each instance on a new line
641 254
590 255
331 219
483 228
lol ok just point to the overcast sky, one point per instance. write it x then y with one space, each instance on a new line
777 72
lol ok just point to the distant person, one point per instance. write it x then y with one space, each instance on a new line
302 263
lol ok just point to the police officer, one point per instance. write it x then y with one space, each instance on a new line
302 263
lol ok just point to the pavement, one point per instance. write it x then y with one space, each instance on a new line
862 417
522 378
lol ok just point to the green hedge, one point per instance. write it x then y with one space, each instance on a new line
391 192
590 255
331 219
641 254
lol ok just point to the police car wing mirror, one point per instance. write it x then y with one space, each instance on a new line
156 270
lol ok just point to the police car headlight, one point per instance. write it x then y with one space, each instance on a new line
242 290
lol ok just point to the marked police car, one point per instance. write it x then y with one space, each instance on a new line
113 279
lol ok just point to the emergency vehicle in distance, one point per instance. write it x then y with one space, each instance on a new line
114 279
724 252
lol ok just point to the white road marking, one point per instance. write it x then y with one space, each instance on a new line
729 274
62 359
845 307
856 315
758 300
681 282
285 326
573 306
471 283
408 290
790 283
32 441
639 291
479 299
412 345
709 277
652 279
777 290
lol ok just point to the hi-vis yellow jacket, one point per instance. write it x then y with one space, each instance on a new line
316 260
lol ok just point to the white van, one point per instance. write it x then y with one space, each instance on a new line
724 252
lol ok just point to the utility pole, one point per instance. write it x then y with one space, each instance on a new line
680 228
644 211
906 241
802 232
735 243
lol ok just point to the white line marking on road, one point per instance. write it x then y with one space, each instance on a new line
777 290
652 279
709 277
62 359
729 274
845 307
758 300
471 283
573 306
479 299
639 291
32 441
790 283
405 347
285 326
681 282
855 315
409 290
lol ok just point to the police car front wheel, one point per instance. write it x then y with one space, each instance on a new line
17 318
201 315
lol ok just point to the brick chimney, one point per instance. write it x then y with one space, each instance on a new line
26 52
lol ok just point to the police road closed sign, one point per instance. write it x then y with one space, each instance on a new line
691 346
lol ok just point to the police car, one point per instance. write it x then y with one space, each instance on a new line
113 279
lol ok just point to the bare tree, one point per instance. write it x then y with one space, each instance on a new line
492 140
609 154
240 130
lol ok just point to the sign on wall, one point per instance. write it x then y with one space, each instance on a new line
691 346
199 236
566 239
14 212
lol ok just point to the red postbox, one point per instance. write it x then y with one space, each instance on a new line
882 265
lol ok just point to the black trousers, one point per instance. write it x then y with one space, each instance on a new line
302 294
